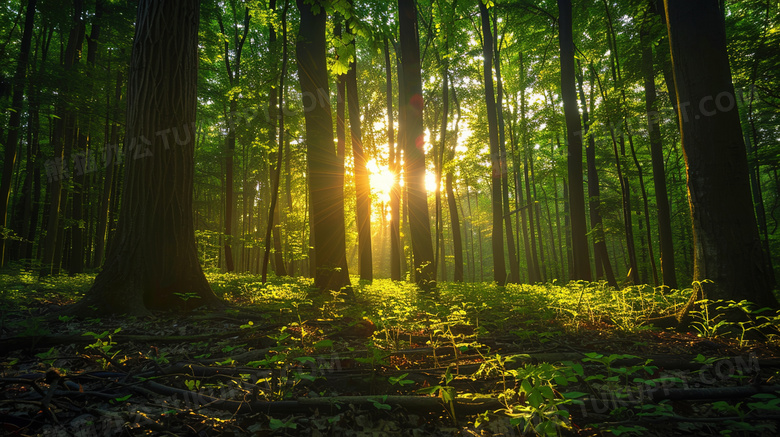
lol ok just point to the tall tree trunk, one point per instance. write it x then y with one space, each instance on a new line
536 209
14 122
625 191
362 183
594 193
439 166
277 113
25 219
414 152
727 246
326 169
521 205
82 164
514 265
452 204
341 98
394 158
498 166
403 197
153 259
580 252
233 69
62 138
111 164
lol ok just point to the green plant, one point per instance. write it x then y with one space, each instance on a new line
47 357
192 384
187 296
445 392
400 380
706 324
277 424
103 345
381 405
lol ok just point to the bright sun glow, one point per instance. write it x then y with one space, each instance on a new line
381 179
430 182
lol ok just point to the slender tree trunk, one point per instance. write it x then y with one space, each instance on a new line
727 246
445 94
580 252
82 164
153 259
594 193
14 122
668 266
514 265
414 156
522 206
325 168
498 166
395 195
233 69
276 114
362 183
111 164
62 137
452 204
536 209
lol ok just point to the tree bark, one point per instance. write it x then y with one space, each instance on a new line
233 70
14 122
452 205
111 165
362 182
394 158
276 111
594 193
727 246
414 151
325 168
153 256
581 267
62 137
497 164
514 265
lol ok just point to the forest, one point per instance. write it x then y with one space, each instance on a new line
417 217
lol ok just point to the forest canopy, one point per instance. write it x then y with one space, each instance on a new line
443 140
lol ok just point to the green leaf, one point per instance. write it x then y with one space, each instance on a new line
123 398
323 344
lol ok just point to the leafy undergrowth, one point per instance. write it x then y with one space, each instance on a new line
473 359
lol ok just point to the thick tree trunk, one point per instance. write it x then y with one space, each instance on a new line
152 261
362 183
727 246
581 256
325 168
414 147
497 164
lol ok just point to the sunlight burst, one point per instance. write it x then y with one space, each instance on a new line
381 179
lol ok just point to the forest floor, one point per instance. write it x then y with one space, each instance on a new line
475 360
